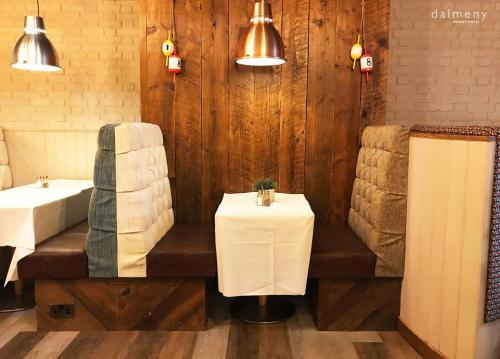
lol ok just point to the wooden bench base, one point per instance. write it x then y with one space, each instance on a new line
123 304
355 304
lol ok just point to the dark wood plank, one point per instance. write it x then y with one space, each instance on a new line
347 112
371 350
397 347
214 104
293 95
258 341
267 113
320 106
157 87
147 345
83 346
115 345
179 345
21 344
243 342
274 341
241 166
266 134
187 112
374 91
143 59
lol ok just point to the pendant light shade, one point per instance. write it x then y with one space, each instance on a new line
33 50
261 44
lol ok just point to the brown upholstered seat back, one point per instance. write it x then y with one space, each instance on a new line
378 202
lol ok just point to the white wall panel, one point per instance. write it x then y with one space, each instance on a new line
57 154
449 205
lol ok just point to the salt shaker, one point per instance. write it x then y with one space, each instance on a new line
260 196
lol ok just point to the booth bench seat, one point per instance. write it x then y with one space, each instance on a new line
188 251
172 297
344 292
338 253
341 276
62 257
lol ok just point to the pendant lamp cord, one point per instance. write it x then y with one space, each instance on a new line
363 21
38 8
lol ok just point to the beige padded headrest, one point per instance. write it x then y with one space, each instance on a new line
391 138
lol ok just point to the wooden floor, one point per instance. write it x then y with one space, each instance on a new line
225 338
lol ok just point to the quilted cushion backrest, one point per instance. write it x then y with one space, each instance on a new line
131 205
5 173
378 202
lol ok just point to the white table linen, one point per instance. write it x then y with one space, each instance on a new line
30 215
263 250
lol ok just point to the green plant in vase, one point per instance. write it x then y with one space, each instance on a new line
266 184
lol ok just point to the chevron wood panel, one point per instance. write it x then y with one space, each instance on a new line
356 304
118 304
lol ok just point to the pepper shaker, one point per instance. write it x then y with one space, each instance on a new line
266 199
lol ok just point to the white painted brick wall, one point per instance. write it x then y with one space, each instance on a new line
443 73
98 46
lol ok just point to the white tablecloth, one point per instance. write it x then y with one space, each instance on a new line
30 215
263 250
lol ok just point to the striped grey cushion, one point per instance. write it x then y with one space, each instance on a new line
101 238
131 206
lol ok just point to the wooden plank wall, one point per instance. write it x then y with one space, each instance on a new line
227 125
374 92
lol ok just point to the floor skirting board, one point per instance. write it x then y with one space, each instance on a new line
422 348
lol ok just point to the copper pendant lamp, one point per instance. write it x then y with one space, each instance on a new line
33 50
261 44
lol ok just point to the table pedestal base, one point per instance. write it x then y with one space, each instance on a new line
262 310
14 298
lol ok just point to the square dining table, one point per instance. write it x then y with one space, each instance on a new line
263 250
30 215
